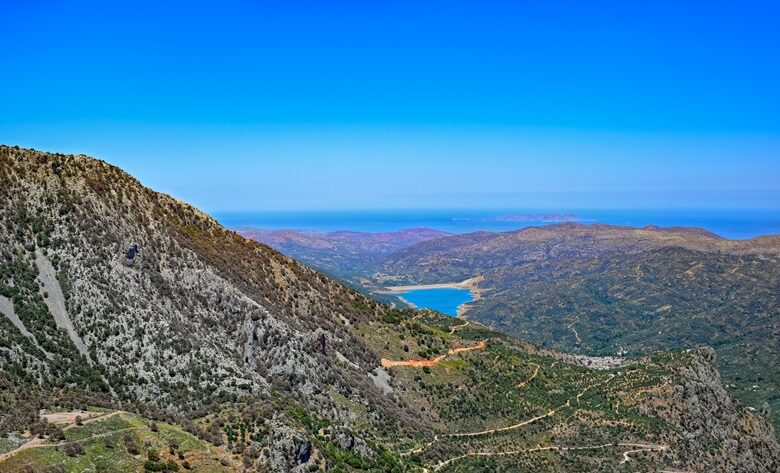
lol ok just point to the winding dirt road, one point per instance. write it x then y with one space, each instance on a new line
522 384
636 447
515 426
458 327
639 448
423 362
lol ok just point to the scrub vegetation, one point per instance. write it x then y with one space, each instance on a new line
206 351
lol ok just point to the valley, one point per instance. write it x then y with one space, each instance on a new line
606 290
389 237
204 347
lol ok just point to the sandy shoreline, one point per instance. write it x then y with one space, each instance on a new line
472 284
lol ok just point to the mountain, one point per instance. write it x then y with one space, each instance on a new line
197 345
461 256
599 290
343 254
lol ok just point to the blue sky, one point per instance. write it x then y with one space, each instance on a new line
305 105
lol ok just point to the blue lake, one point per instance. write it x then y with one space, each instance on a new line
445 300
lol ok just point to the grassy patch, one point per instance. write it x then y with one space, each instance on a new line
97 427
104 448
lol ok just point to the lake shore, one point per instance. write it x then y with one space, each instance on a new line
471 284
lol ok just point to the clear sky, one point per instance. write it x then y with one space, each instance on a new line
332 104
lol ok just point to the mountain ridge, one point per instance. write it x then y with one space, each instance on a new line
601 289
279 367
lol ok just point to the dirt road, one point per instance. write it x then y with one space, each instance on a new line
423 362
63 418
640 448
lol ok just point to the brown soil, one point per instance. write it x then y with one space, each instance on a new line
423 362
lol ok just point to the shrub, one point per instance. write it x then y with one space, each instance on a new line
56 434
170 465
131 446
73 449
153 466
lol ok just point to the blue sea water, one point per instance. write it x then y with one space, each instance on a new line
445 300
734 224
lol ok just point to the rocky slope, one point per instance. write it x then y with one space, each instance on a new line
118 296
198 316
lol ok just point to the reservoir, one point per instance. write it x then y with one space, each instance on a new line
445 300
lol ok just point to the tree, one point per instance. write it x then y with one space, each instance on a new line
73 449
55 433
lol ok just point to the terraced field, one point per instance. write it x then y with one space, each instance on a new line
116 441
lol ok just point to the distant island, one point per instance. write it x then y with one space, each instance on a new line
538 218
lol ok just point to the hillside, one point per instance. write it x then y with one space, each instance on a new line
110 440
118 297
461 256
344 254
601 289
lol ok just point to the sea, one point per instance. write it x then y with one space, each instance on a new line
732 224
